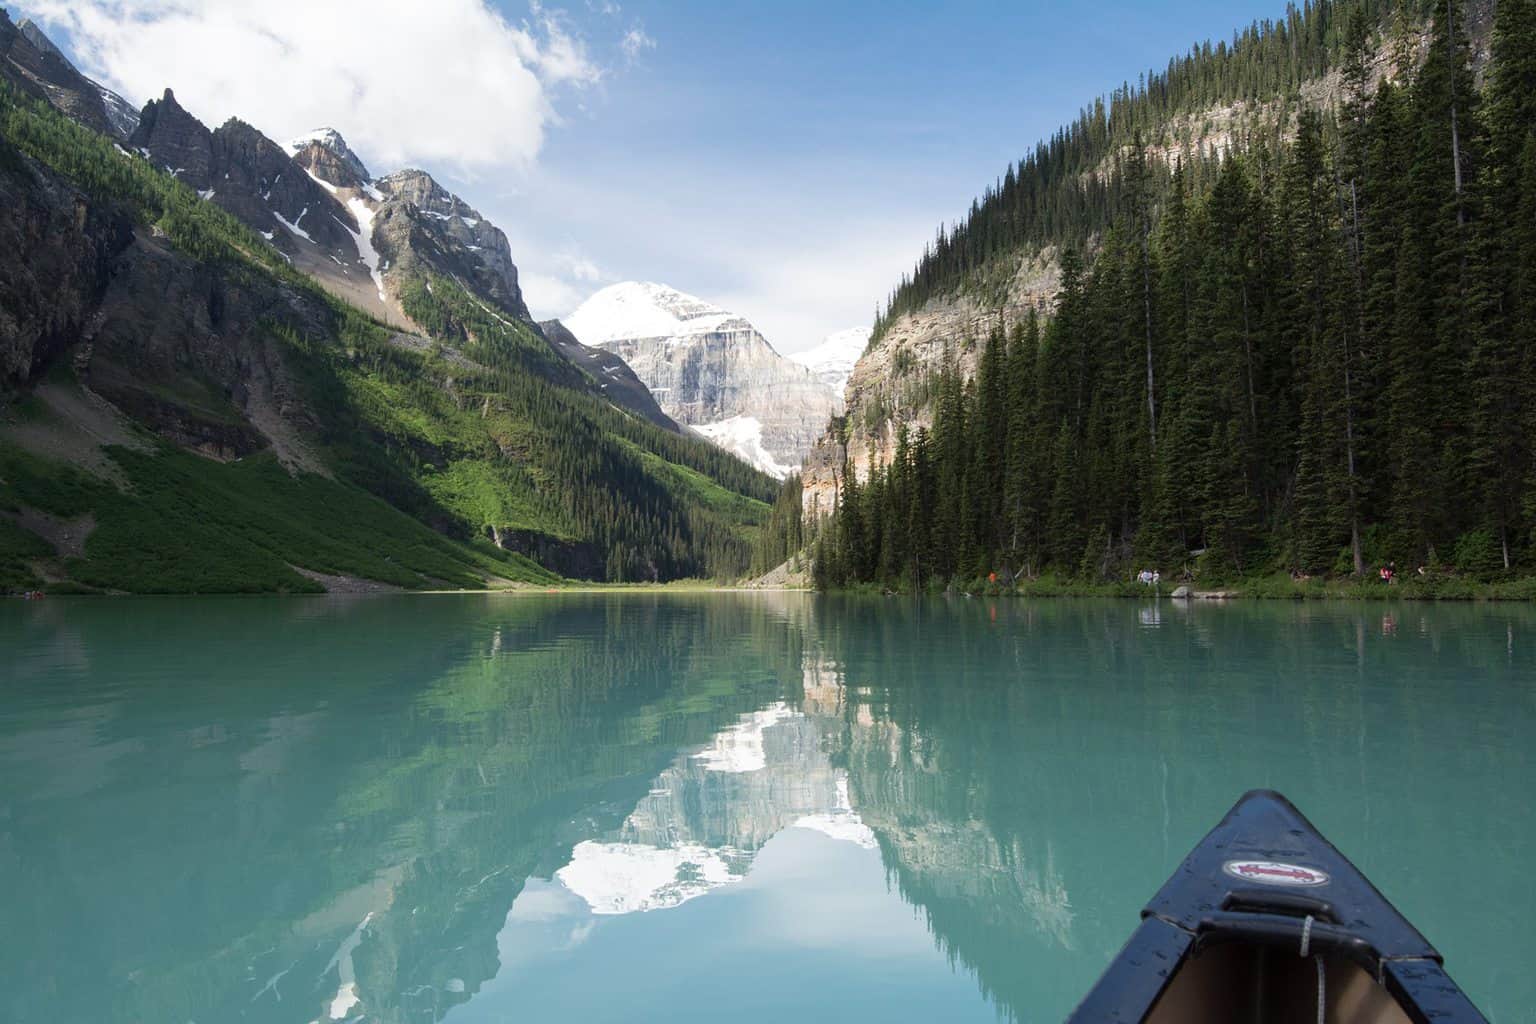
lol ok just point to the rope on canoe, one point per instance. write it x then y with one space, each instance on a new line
1322 989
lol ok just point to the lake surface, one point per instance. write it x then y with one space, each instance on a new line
715 807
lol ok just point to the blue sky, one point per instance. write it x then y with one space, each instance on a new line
785 160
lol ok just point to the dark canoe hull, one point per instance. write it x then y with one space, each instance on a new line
1223 939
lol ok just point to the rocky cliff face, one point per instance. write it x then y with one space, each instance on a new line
450 237
182 348
359 237
122 117
326 155
407 224
247 174
64 247
712 370
888 385
612 374
32 64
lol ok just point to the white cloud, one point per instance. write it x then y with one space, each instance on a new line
561 56
834 284
563 279
549 296
634 42
800 265
406 81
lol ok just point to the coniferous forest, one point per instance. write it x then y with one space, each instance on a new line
1311 354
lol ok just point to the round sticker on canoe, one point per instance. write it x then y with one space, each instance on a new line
1268 872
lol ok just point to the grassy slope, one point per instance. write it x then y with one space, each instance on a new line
457 445
186 524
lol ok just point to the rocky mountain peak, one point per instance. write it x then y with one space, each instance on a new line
645 309
176 140
253 178
710 369
31 63
326 155
422 222
35 36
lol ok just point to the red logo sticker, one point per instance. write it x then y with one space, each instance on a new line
1268 872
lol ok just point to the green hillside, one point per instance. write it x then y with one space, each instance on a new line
425 450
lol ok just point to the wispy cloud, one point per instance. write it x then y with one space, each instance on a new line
561 279
636 42
447 82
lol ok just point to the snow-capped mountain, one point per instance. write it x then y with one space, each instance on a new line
326 148
317 203
833 359
712 370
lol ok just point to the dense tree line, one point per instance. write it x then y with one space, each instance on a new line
783 536
1315 356
1066 192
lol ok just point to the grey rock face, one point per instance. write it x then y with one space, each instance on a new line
175 140
35 36
711 370
166 318
325 154
59 249
31 63
136 315
614 377
423 223
121 115
247 174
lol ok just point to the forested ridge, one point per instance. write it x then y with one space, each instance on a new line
1072 187
482 432
1313 354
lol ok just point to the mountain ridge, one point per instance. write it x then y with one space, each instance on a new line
468 431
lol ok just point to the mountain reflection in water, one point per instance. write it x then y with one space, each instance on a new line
638 806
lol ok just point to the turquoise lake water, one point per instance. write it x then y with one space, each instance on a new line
716 807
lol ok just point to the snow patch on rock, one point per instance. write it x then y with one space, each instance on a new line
320 181
364 238
644 309
293 227
833 359
743 435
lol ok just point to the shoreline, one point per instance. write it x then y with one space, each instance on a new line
1509 592
1522 589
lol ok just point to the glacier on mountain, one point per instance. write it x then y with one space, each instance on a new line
743 435
833 359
